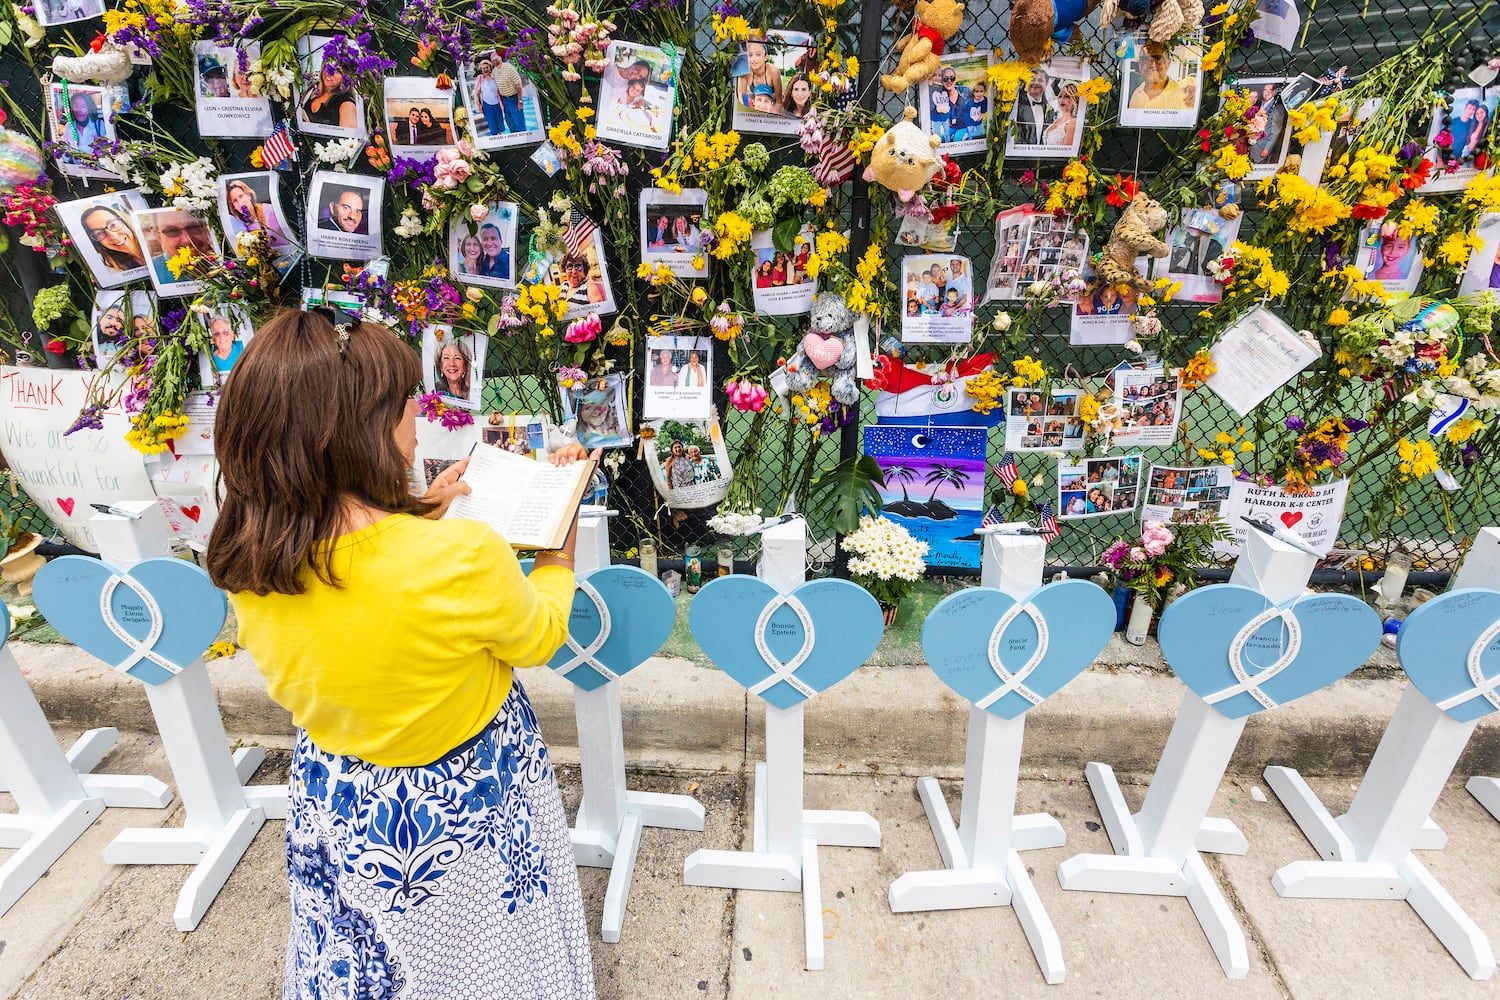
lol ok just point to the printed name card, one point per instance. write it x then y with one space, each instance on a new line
149 622
621 616
1450 648
1007 656
1242 654
786 648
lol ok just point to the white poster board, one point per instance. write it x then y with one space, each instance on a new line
1315 516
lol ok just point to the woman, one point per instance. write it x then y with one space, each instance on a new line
693 374
678 469
1479 133
112 238
453 368
331 103
391 640
1065 126
685 235
1096 501
598 420
778 269
487 98
661 372
577 286
759 72
247 213
763 275
799 97
471 256
430 132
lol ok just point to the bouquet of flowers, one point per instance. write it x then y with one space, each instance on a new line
1162 557
885 559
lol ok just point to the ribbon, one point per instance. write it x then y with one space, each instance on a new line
1015 683
1251 685
784 672
585 654
1483 687
139 649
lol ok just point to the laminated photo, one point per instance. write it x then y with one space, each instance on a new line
164 233
1049 115
938 297
1031 245
1093 487
418 116
50 12
328 105
679 377
688 462
1186 495
1160 86
453 365
1148 403
229 330
119 317
523 434
1200 237
1268 151
594 412
1390 258
1483 271
637 92
484 253
773 88
103 231
1036 420
343 215
955 103
1326 151
579 270
1103 313
780 284
503 104
672 230
80 116
333 298
1468 120
227 103
251 203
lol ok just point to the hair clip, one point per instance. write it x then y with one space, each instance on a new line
342 322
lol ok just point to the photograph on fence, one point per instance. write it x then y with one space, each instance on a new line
1042 420
939 297
1386 256
1049 114
483 252
579 269
251 203
1467 121
1160 86
1031 245
934 486
1196 242
228 330
780 284
80 116
1092 487
118 317
503 105
671 226
1267 150
1102 314
102 229
679 377
328 105
1148 404
773 88
418 116
522 434
1483 271
688 462
173 240
1186 494
453 365
50 12
1258 354
954 103
637 92
228 104
595 413
343 215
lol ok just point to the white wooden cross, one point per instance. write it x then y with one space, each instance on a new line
784 854
607 833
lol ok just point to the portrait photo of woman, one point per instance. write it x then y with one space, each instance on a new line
104 235
247 204
110 234
577 285
454 366
454 370
330 106
663 375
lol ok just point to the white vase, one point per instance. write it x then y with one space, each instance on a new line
1139 624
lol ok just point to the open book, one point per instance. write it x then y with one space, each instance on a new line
530 503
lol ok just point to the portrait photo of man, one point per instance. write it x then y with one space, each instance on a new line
344 210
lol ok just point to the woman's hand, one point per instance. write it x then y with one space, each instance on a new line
447 486
570 453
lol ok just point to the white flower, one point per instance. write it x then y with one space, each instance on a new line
337 151
410 225
244 243
1133 346
1002 321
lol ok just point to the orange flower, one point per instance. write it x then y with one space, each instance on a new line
1163 576
425 51
443 82
376 153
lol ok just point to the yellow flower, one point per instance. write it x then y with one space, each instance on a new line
1339 317
180 261
1094 88
698 262
1418 458
218 650
1461 430
1213 57
700 296
818 198
1018 488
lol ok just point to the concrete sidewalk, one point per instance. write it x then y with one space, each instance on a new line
93 932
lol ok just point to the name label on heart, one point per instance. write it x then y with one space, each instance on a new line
147 612
1483 688
784 671
1246 636
1016 682
586 654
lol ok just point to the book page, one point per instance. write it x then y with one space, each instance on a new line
1256 356
526 501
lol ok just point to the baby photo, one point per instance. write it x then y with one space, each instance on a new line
637 92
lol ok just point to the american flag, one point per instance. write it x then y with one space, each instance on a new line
1006 470
1047 522
278 151
579 232
835 163
992 516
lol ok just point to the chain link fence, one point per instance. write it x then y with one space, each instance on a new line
1334 33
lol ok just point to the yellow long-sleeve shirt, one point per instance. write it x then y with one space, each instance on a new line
412 654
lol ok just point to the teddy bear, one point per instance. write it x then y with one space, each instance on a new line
827 350
905 158
1133 235
921 49
1036 24
1172 17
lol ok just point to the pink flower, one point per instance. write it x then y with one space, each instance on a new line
1137 554
581 331
477 212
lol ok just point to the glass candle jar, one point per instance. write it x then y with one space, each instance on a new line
692 566
647 550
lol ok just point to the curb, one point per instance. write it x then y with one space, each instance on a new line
899 720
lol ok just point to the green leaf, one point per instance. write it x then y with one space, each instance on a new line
1406 310
6 33
493 326
847 491
475 185
784 236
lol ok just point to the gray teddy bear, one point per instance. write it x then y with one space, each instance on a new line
832 325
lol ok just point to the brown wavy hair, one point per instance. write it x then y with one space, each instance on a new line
301 430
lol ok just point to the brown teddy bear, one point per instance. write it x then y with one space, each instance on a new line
921 49
1036 24
905 158
1133 235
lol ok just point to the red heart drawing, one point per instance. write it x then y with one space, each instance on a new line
66 503
192 513
1291 517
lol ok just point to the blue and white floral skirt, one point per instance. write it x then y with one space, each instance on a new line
454 880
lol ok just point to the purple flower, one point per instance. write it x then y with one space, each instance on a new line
92 418
412 171
1355 424
1295 423
1410 151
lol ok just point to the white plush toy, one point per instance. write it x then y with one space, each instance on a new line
110 64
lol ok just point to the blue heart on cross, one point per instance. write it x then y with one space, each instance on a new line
621 615
1450 648
1243 654
786 648
149 622
1007 656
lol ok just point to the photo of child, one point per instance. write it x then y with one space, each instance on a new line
1390 258
773 88
595 413
637 92
955 103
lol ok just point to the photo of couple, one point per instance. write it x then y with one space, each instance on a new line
1468 121
688 463
480 253
674 232
679 377
955 103
1098 486
503 106
1049 113
672 225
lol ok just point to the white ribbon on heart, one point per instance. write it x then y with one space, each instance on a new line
1251 685
1015 683
1483 687
585 654
784 671
139 649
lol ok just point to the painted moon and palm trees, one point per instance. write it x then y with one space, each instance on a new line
934 486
